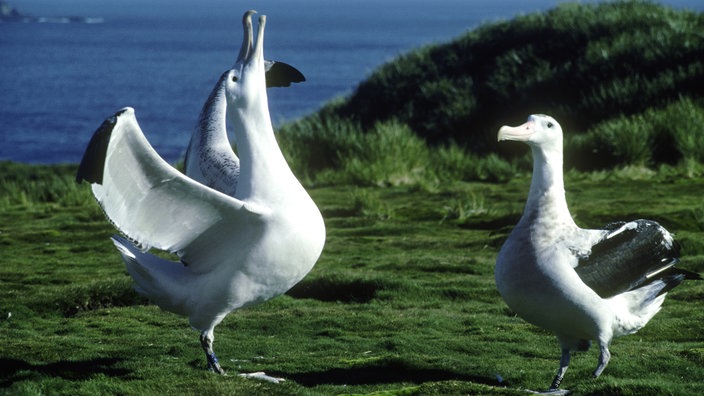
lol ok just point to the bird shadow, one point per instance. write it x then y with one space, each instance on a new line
13 370
382 373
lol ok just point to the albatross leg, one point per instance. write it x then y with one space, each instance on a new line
564 363
604 356
206 341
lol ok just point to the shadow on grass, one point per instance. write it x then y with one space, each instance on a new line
383 373
13 370
333 289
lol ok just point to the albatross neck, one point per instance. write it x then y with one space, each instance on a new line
212 120
546 199
263 167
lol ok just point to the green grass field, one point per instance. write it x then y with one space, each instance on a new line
402 301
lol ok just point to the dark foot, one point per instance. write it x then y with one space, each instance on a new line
213 364
206 341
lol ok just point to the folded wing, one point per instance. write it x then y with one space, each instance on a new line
631 255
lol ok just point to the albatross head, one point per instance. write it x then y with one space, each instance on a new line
539 131
246 80
251 71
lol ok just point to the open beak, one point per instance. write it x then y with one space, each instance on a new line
251 49
520 133
247 38
277 74
259 44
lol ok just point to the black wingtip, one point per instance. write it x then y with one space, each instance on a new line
690 275
670 282
93 162
281 74
674 276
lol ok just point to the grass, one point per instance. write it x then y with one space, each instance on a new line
584 64
623 78
326 150
402 301
671 134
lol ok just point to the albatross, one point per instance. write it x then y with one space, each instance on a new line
234 251
580 284
210 159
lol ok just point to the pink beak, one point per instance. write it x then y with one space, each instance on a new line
520 133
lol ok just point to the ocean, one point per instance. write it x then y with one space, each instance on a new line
59 79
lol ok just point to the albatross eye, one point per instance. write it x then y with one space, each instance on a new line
549 124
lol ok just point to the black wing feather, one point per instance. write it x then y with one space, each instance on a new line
279 74
93 162
631 258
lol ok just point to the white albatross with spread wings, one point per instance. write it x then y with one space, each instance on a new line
580 284
235 251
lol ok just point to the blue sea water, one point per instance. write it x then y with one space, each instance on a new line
59 81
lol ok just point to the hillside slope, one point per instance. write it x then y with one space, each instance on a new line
583 64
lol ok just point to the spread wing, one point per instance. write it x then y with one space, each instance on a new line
157 206
629 256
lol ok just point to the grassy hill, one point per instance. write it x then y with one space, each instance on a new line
624 79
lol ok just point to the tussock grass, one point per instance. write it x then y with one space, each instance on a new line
333 151
670 135
472 205
23 186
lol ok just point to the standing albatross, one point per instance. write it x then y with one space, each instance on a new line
235 251
580 284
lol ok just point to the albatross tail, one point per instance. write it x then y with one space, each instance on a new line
636 307
162 281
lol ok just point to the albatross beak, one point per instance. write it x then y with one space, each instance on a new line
247 38
520 133
259 45
277 74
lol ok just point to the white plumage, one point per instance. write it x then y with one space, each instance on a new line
581 285
209 157
237 247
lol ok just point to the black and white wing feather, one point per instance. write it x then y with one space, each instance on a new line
155 205
631 255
